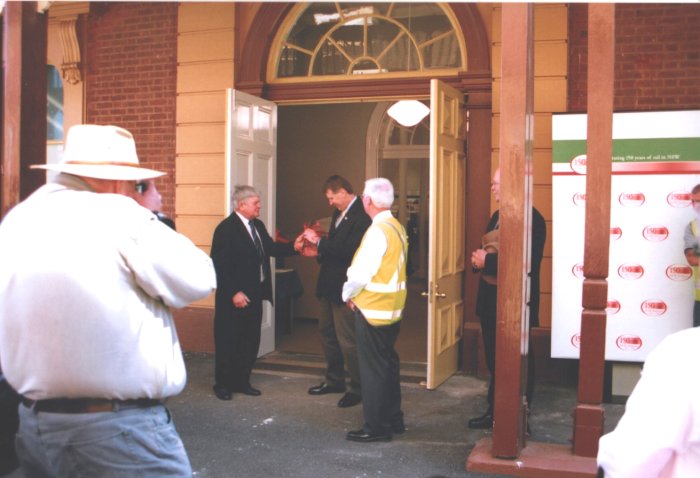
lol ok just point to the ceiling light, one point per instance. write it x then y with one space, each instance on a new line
408 112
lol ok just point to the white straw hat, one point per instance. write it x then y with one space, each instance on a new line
102 152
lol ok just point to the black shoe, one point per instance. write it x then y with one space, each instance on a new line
349 400
398 428
222 393
248 390
367 437
324 388
484 422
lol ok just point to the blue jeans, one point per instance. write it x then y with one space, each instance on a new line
127 443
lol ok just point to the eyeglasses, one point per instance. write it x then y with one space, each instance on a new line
141 187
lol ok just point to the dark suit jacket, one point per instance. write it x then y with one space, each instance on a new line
335 253
486 296
237 267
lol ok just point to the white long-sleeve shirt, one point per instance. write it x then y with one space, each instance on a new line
659 434
368 258
86 282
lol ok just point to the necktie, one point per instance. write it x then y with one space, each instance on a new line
258 248
256 240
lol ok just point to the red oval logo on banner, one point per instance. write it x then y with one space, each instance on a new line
655 233
576 340
679 272
632 199
615 233
613 307
630 271
579 199
577 270
629 342
578 164
679 199
654 307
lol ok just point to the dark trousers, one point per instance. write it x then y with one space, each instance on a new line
696 314
379 373
236 342
9 423
488 332
337 329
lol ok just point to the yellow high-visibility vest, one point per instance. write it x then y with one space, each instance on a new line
382 300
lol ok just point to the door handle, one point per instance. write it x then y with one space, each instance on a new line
433 291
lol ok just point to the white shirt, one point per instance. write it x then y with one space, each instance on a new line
86 283
659 433
368 258
342 214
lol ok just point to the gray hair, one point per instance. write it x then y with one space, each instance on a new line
381 191
241 192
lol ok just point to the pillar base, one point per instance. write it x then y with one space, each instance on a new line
537 460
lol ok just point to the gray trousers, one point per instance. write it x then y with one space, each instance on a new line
337 329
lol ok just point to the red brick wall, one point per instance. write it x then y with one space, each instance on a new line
131 80
657 56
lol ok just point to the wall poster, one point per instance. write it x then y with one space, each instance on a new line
656 163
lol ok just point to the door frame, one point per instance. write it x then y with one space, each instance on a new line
476 83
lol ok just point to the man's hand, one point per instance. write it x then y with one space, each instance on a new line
304 247
350 304
311 235
240 300
478 258
299 243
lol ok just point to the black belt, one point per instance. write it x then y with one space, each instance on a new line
88 405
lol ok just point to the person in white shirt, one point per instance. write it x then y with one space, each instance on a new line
376 291
86 334
659 433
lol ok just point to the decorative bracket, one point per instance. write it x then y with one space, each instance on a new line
65 16
70 68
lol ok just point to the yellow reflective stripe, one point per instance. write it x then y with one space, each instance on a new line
385 288
381 314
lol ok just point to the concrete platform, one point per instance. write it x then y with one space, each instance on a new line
286 432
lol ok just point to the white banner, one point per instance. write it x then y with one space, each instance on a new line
650 285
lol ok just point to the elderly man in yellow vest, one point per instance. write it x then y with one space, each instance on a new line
376 291
691 247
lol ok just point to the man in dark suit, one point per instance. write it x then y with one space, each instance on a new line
337 324
241 250
486 261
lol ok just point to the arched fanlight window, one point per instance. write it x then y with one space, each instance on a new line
351 39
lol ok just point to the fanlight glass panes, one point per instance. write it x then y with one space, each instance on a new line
347 39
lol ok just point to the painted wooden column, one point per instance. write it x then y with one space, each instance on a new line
515 161
589 413
24 101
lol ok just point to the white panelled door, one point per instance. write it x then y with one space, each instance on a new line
251 158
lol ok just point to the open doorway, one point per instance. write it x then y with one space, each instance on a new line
355 140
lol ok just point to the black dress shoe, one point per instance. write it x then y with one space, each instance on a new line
398 428
484 422
366 437
222 393
248 390
324 388
349 400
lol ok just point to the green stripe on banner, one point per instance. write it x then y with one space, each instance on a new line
634 150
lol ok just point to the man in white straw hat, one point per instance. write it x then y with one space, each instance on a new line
86 335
